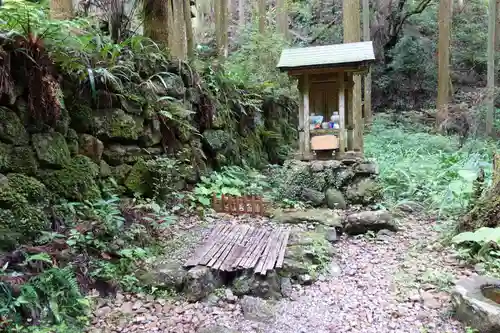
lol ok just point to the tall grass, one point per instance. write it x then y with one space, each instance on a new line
427 170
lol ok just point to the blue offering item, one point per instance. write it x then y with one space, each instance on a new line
316 119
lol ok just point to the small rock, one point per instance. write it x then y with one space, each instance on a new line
228 295
429 300
257 309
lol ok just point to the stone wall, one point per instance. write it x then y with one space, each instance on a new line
334 183
105 142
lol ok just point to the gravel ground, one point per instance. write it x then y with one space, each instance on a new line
390 282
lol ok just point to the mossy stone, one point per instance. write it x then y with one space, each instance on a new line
30 188
81 117
23 160
72 142
75 181
62 123
104 169
5 152
117 124
51 148
11 128
121 172
137 179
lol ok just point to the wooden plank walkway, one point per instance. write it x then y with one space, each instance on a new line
242 246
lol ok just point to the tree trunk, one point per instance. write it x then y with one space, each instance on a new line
261 10
189 29
486 211
241 13
61 9
368 77
492 13
282 17
352 33
177 33
443 60
156 20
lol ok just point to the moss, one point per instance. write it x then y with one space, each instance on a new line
30 188
76 181
121 172
5 152
104 169
23 160
51 148
81 117
72 141
11 128
62 124
30 221
124 126
137 179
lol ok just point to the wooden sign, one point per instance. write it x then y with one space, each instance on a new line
238 205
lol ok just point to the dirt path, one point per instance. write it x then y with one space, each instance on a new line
390 282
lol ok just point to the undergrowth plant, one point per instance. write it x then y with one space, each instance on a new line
425 170
480 246
231 180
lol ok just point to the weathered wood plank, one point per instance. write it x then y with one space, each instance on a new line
247 245
240 249
236 248
252 244
281 255
208 244
217 244
262 260
268 258
254 256
229 242
273 254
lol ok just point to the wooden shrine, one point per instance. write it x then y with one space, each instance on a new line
325 82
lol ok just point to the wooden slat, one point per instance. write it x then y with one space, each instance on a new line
234 250
273 256
250 247
281 255
217 244
229 242
267 257
254 256
242 248
242 229
195 258
262 260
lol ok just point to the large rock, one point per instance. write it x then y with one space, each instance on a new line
23 160
51 149
257 309
169 275
75 181
358 223
91 147
11 128
116 154
116 124
307 254
314 197
267 286
152 134
199 283
218 141
335 199
319 215
137 180
363 191
473 308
